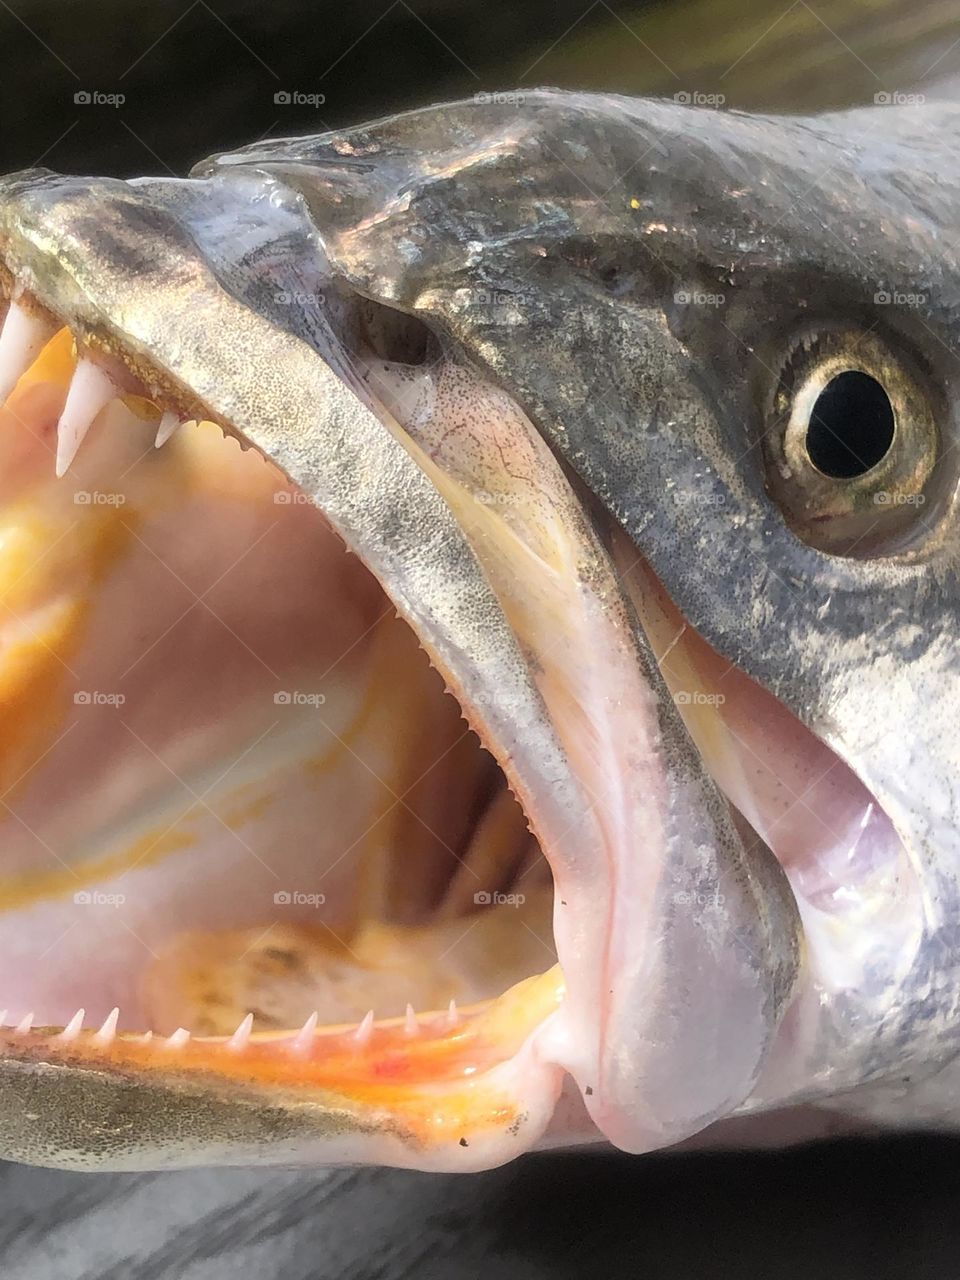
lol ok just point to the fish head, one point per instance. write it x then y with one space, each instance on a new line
611 422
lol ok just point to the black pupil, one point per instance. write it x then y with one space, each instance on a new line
851 426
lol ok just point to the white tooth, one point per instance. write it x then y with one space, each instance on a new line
179 1038
22 339
452 1016
3 1017
241 1037
73 1027
90 390
168 425
24 1026
365 1030
146 1037
410 1024
303 1040
108 1032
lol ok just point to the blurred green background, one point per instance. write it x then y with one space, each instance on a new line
196 77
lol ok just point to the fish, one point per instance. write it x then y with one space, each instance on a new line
478 661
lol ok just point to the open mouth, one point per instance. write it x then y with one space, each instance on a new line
246 832
254 853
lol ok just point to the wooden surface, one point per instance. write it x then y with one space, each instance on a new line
872 1209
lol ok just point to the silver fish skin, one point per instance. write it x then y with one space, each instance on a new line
657 297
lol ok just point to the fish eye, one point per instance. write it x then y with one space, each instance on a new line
851 440
851 425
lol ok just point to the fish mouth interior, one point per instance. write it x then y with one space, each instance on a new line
237 799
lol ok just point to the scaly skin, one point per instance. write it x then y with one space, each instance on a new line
583 495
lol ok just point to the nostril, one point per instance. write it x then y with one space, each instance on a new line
392 335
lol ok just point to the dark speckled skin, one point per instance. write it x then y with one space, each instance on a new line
73 1116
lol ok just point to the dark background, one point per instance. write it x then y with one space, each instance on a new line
201 75
854 1210
197 77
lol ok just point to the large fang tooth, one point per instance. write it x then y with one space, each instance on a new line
22 339
24 1026
179 1038
365 1030
410 1024
107 1033
73 1027
90 390
304 1038
241 1037
453 1016
3 1016
168 425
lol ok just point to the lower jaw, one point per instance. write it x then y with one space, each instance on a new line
455 1093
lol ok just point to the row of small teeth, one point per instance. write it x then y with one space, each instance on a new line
302 1041
22 338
